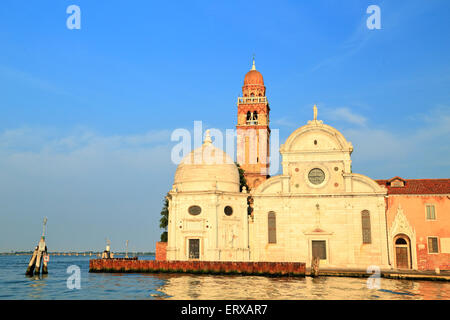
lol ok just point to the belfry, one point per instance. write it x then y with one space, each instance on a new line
253 132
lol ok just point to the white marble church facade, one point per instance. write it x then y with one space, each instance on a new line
316 207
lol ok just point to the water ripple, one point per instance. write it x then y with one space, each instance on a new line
15 285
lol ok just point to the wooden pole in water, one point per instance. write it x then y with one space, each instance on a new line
315 267
107 253
42 248
37 269
46 258
32 262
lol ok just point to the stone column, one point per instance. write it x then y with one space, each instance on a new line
171 229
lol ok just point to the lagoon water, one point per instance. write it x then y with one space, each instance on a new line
15 285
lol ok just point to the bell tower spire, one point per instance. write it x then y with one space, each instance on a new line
253 132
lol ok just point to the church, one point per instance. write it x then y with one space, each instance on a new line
317 207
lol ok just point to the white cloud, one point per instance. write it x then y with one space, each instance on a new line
283 122
345 114
31 80
423 152
90 186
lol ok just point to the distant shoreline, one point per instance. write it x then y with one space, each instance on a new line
75 252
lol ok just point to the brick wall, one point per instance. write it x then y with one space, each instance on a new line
203 267
160 252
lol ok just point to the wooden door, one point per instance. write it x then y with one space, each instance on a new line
402 257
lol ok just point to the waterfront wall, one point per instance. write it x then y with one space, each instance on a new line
160 252
202 267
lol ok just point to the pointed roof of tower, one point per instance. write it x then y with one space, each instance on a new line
253 77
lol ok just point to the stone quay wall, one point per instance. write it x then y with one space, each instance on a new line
198 267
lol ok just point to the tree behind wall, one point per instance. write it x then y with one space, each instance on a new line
164 221
242 180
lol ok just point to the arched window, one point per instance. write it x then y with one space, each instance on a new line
366 233
255 115
249 115
272 227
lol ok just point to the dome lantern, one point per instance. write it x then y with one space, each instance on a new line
253 83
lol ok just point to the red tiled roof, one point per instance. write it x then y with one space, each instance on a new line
396 178
418 186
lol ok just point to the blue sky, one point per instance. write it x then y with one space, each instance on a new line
86 115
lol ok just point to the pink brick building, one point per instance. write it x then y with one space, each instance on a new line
418 221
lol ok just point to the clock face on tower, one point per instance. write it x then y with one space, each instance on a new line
316 176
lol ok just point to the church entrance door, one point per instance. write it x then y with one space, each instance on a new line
194 249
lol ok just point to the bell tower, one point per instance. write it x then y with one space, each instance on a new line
253 132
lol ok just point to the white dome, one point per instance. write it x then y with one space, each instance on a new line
205 169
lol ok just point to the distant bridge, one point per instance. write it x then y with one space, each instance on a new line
85 254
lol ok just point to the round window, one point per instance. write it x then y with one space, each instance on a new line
316 176
228 210
194 210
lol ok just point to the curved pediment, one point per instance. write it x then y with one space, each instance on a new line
316 137
362 183
270 186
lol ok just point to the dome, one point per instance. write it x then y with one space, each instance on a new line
253 77
207 168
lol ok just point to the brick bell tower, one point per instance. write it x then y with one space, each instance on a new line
253 132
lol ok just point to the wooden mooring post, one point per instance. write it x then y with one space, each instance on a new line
315 267
39 255
31 264
45 259
107 254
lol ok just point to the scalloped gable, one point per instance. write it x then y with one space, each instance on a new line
270 186
362 183
316 136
